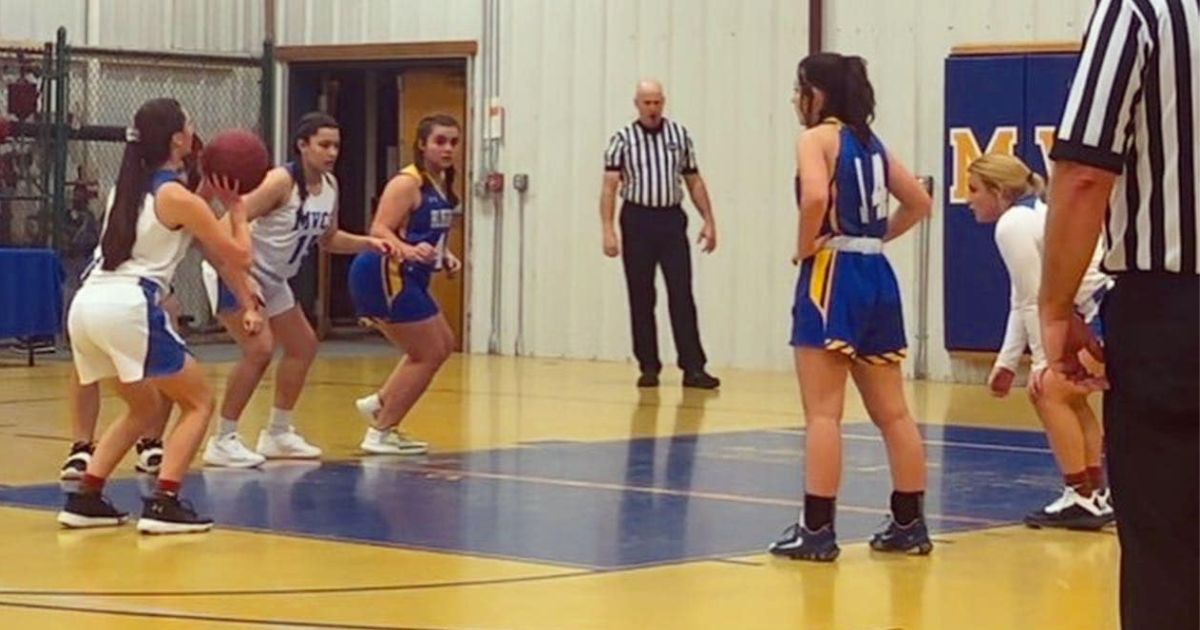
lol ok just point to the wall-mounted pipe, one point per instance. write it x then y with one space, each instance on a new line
816 26
924 240
490 91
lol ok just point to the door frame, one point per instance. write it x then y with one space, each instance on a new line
450 50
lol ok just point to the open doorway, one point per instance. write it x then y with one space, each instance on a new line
378 105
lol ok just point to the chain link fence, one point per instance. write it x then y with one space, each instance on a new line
26 155
105 88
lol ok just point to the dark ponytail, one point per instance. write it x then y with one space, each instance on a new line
848 93
148 147
424 129
192 173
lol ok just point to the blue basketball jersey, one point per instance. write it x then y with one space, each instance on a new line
848 301
859 193
430 221
387 290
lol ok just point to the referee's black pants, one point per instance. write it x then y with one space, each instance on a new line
651 237
1152 425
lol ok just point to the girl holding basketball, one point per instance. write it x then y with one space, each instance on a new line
1004 191
118 327
293 210
84 401
847 320
415 214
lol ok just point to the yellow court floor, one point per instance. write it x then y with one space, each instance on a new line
556 495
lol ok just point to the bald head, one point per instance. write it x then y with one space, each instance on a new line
649 100
649 88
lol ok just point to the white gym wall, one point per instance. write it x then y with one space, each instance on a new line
566 74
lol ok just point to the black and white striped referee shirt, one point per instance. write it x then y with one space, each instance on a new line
652 162
1133 110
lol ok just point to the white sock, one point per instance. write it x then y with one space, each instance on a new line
374 403
227 427
281 421
376 435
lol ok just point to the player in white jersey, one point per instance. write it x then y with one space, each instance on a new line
84 401
1003 190
118 328
294 209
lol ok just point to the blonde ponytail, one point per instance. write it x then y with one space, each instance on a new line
1008 176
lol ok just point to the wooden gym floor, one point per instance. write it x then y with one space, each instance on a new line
556 495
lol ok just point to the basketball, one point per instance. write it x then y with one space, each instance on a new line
238 154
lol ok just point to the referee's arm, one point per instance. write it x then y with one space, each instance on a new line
699 193
608 195
1088 156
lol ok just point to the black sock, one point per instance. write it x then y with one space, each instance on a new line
906 506
818 511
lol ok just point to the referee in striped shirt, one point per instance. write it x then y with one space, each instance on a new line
1125 158
646 161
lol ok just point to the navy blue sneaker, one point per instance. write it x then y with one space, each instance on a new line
799 543
896 538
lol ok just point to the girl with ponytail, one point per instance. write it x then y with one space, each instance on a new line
293 211
415 214
119 328
846 318
1004 191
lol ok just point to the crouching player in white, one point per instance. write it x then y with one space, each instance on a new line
293 209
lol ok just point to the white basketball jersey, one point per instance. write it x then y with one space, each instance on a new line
283 237
157 249
1093 279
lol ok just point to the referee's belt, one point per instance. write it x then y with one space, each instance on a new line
642 206
855 244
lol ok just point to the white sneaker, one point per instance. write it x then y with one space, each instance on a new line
228 451
1071 511
379 442
1064 500
285 446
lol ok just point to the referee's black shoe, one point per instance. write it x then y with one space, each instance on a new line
701 380
648 379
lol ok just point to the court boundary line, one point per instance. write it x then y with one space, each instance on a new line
984 446
45 438
199 617
339 539
733 558
316 590
689 494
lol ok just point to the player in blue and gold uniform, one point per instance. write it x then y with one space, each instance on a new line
392 293
846 318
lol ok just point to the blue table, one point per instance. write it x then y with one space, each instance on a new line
31 298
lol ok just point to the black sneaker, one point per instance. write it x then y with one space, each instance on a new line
77 461
167 514
701 380
149 456
896 538
1072 511
798 543
90 509
648 379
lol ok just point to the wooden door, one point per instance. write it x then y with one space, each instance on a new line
440 91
